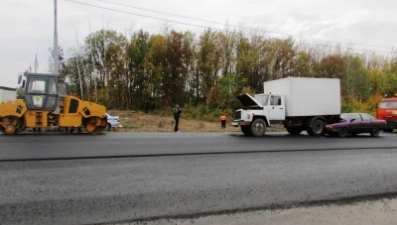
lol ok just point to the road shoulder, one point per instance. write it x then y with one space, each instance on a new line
382 211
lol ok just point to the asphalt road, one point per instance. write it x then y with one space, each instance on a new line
52 178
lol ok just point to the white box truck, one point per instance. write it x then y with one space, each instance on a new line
300 103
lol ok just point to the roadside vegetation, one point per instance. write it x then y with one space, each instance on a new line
164 122
202 73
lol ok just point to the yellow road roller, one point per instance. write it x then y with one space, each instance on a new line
44 103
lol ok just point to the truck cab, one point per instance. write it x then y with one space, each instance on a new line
259 112
387 110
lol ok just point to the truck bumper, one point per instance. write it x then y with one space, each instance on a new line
240 123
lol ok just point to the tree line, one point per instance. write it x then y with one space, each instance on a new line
150 72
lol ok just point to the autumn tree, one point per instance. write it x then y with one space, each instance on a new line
137 53
174 70
155 71
208 63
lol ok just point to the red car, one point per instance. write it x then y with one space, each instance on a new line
356 123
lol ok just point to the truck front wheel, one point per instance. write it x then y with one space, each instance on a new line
258 127
317 128
246 130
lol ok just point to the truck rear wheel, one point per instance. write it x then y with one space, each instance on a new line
258 127
246 130
387 129
317 128
294 130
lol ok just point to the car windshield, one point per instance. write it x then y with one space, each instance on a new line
372 117
351 117
345 117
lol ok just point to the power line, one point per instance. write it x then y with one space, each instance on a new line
164 13
208 21
137 14
235 26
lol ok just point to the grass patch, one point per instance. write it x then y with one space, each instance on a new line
144 122
163 122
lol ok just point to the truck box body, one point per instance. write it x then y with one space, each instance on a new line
306 96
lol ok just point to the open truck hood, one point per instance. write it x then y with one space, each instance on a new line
248 100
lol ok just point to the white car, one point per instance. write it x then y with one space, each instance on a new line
113 122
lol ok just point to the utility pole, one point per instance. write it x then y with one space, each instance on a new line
55 55
36 65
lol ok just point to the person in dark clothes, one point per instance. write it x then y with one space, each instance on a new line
177 115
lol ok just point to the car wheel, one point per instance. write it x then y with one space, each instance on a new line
342 132
258 127
108 127
375 132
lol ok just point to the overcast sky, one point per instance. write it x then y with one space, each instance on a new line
28 25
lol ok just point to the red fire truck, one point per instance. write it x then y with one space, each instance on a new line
387 110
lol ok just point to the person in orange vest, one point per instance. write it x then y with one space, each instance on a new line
223 121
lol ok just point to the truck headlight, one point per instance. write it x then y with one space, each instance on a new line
248 116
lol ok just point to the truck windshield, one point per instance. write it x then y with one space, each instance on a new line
263 99
388 104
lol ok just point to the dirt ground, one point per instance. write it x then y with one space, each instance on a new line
143 122
377 212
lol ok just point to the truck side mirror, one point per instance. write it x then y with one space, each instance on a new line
23 83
